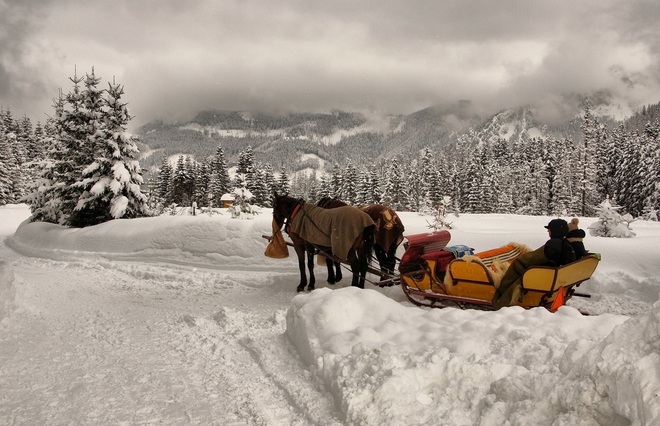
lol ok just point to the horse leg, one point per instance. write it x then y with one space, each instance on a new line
310 266
331 271
358 268
300 251
382 261
338 276
388 263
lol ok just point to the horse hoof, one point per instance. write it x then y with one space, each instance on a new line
300 288
310 288
331 282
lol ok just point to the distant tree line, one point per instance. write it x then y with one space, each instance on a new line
205 183
533 176
80 168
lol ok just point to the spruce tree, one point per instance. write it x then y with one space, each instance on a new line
592 134
220 181
348 191
394 195
283 186
164 180
5 168
111 181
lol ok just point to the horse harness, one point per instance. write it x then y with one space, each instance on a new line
292 214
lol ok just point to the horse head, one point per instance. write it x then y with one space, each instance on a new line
283 207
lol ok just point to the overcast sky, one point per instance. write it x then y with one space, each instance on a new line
176 57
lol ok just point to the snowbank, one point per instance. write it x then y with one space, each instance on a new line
215 240
471 365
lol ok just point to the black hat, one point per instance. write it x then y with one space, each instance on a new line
557 227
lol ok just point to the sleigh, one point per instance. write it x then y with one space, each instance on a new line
434 275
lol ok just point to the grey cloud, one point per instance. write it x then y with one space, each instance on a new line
178 57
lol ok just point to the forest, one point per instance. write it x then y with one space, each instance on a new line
81 167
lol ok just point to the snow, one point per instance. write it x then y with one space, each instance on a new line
182 320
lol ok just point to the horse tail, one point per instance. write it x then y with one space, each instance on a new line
369 238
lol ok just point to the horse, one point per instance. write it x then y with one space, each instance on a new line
345 232
389 235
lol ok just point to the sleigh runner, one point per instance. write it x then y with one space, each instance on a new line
438 277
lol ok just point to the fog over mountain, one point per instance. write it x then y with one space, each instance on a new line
177 58
319 140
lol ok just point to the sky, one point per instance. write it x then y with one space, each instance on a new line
177 57
181 319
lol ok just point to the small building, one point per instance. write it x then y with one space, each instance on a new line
226 200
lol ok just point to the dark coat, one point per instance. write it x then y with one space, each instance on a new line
559 251
575 238
556 251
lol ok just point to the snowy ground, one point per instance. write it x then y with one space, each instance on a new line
182 320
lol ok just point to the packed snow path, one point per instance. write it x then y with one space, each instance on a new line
134 343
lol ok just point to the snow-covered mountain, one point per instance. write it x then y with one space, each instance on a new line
311 140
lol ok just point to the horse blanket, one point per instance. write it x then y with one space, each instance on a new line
335 228
389 228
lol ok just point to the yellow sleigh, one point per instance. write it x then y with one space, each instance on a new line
432 275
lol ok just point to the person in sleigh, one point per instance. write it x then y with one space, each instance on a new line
556 251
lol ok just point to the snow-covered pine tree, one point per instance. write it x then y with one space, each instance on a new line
265 185
426 173
247 166
220 181
242 198
363 194
562 158
45 198
348 192
314 188
336 181
415 185
112 180
394 195
472 191
611 223
283 186
324 187
650 179
182 182
202 184
500 165
6 196
629 174
165 174
23 172
592 135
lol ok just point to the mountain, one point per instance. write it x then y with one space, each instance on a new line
318 140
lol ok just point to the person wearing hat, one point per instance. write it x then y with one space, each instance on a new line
556 251
575 236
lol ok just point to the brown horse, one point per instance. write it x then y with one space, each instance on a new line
389 235
345 232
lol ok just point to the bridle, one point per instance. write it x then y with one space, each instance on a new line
293 211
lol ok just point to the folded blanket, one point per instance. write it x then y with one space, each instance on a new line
389 228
